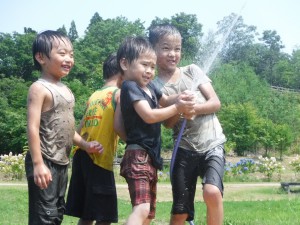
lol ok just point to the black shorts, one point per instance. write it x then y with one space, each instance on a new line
188 166
92 191
46 206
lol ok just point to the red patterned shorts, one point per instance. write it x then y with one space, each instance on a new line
141 177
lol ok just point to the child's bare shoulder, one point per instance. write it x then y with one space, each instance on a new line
38 93
37 87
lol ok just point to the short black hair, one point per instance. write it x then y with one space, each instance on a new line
110 66
132 47
159 31
43 43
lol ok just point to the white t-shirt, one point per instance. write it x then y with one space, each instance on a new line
204 132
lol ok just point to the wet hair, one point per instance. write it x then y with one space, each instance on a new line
43 43
132 47
110 66
159 31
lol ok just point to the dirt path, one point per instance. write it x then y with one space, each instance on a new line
232 191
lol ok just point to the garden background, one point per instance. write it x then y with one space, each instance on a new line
257 83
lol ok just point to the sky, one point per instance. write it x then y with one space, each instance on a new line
283 16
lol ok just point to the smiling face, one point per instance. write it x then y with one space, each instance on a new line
60 60
141 70
168 51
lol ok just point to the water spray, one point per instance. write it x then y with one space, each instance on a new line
195 84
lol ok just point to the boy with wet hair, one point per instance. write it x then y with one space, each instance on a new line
51 129
140 114
201 148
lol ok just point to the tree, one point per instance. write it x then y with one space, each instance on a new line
101 39
13 93
236 38
190 30
271 57
283 138
295 66
15 55
73 34
238 122
94 20
63 30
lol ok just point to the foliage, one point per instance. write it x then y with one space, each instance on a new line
13 166
121 149
269 166
13 94
15 55
190 30
253 115
295 164
239 125
167 138
241 170
244 166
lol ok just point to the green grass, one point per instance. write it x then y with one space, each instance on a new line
14 203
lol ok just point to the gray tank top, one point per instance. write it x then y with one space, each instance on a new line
57 127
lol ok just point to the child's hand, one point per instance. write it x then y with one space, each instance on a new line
185 104
94 147
188 95
42 176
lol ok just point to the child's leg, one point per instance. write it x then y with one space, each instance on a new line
46 206
213 185
139 214
141 178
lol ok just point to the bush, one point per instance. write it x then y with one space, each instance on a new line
269 166
295 164
13 166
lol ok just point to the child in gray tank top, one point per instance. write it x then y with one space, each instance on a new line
51 129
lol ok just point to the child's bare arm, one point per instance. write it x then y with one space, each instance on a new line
212 103
118 121
39 99
150 115
90 147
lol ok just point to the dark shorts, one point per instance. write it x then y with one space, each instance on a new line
141 177
187 167
46 206
92 191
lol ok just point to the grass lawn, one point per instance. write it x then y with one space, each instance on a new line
271 207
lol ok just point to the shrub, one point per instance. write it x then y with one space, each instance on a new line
244 166
12 166
295 164
269 166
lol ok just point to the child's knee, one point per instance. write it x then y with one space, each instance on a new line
211 194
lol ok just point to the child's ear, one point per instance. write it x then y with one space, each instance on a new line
39 57
124 64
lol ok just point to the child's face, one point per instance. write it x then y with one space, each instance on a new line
168 52
141 70
61 60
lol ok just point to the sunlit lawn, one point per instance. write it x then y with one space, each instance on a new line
286 211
